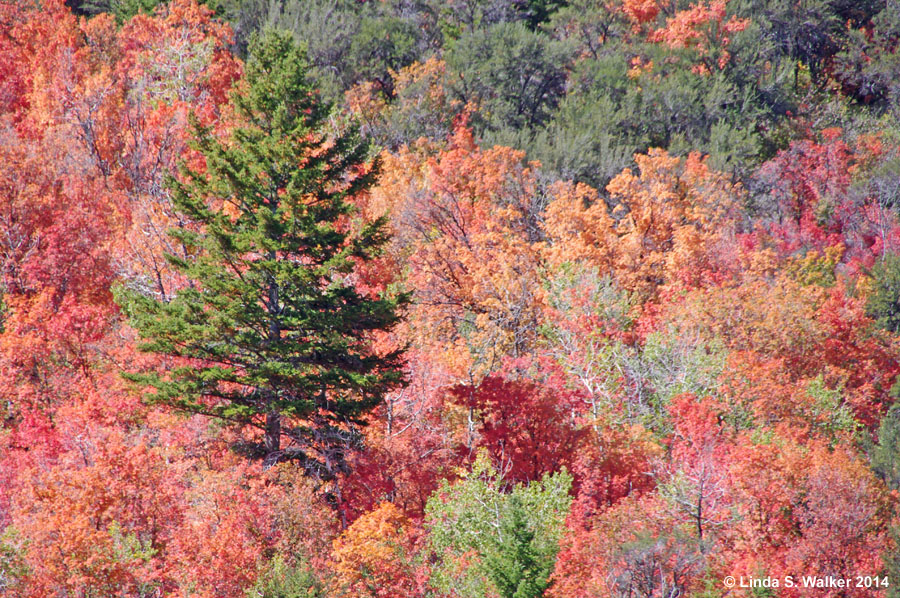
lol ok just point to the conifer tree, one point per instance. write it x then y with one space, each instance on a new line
274 333
517 567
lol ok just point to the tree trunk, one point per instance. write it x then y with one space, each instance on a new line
273 417
273 432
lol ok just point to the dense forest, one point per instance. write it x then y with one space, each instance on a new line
449 298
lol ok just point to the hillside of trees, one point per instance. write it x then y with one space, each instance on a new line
449 298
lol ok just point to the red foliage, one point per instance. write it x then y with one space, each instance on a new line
634 548
526 428
857 358
811 182
616 464
805 508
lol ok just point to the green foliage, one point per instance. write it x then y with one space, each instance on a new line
869 62
121 9
884 302
382 44
882 180
325 27
129 550
807 33
456 17
12 566
415 111
587 140
539 12
670 365
594 28
675 365
884 457
891 561
598 295
612 112
487 540
816 269
276 335
4 310
280 580
516 567
829 409
128 547
515 76
555 78
347 42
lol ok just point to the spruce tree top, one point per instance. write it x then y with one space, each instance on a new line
276 334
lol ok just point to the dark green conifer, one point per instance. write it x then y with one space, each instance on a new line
276 334
517 567
884 302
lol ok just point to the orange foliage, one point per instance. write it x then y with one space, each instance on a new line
465 222
173 64
801 507
83 156
97 519
670 225
641 11
371 557
703 27
420 103
57 210
784 335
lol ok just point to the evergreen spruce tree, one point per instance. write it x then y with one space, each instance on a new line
884 459
884 301
274 332
517 567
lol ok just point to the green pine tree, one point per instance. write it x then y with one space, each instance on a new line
884 459
884 302
510 535
517 568
274 332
